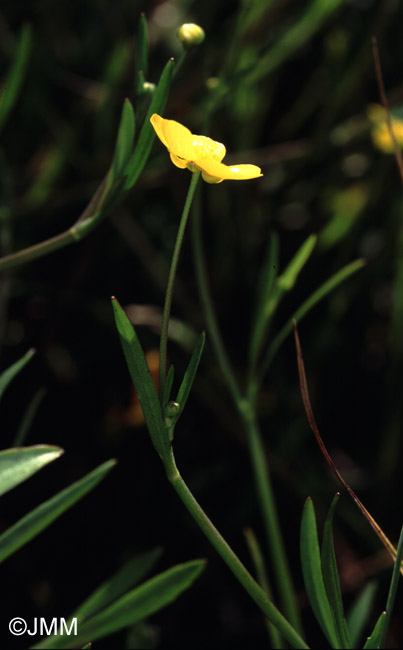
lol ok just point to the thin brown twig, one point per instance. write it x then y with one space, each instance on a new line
312 423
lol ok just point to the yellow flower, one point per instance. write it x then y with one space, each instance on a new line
199 153
380 129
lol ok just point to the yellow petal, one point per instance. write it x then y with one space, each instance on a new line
179 162
214 172
176 137
207 148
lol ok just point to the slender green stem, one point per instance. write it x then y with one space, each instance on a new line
260 569
171 281
213 329
270 518
234 563
246 408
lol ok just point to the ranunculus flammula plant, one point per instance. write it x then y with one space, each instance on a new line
199 153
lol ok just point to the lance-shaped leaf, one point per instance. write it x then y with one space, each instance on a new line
190 374
16 465
142 381
374 640
133 607
168 385
313 578
126 578
8 375
331 577
16 74
41 517
147 133
124 141
360 611
392 590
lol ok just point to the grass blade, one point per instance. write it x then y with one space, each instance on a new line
16 74
331 577
28 417
142 381
190 374
312 572
146 138
392 590
18 464
133 606
360 611
374 640
41 517
8 375
124 141
123 580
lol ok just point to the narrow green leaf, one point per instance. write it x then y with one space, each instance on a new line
290 274
312 572
142 150
41 517
8 375
374 640
360 611
133 607
141 60
123 580
190 374
331 578
18 464
267 278
321 292
392 590
28 417
168 385
16 74
142 381
124 142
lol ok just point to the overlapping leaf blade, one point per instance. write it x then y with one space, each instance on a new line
331 578
18 464
312 572
41 517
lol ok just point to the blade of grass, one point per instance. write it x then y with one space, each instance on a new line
16 74
124 141
126 578
360 611
41 517
134 606
260 569
321 292
8 375
331 577
146 138
141 59
142 381
373 641
312 572
28 417
190 374
392 590
16 465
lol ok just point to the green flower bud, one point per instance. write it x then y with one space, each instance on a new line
190 35
172 409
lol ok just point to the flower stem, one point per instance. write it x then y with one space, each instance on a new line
247 411
234 563
170 285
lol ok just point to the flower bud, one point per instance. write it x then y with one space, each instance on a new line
190 35
148 88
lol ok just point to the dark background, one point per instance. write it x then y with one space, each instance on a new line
306 124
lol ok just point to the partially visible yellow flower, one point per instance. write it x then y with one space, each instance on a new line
199 153
380 131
